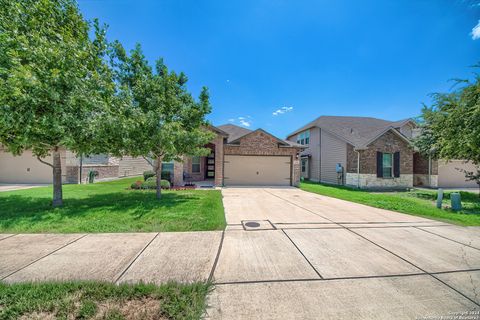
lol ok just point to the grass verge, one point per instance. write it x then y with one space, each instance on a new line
110 207
416 202
98 300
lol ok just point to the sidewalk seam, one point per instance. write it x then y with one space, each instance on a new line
13 235
50 253
135 259
217 257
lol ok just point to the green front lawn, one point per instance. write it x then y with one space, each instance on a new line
110 207
416 202
97 300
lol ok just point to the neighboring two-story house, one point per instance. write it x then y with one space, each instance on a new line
371 153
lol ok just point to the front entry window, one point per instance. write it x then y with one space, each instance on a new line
195 164
387 165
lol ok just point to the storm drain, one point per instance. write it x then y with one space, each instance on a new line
253 225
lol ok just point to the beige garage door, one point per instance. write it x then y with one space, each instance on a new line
450 177
24 169
257 170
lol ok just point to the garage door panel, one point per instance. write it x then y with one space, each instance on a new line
257 170
24 169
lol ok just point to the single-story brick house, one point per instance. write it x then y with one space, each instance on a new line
242 157
371 153
239 156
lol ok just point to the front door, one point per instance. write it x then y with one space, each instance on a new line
210 166
304 167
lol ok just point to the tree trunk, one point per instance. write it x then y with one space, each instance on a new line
57 179
158 174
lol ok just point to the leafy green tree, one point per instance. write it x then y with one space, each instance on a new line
164 122
56 88
451 126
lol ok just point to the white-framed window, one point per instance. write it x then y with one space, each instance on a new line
304 137
195 164
387 165
304 165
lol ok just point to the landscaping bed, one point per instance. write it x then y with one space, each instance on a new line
415 202
97 300
110 207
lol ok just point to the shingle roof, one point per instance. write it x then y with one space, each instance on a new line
357 131
236 132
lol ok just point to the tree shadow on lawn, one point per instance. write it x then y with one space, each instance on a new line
17 208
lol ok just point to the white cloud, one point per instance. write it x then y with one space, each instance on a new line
282 110
476 31
243 121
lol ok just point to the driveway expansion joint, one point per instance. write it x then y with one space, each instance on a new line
438 235
426 272
308 261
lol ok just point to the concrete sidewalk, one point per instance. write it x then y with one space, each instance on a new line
286 254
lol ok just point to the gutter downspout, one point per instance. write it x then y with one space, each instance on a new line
81 168
358 167
430 171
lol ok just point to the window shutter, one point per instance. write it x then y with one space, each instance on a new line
396 164
379 164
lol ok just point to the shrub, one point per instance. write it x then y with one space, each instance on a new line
165 184
151 183
148 174
136 185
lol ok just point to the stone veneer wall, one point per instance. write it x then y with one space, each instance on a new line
389 143
422 180
261 144
371 181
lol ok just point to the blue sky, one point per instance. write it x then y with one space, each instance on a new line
278 64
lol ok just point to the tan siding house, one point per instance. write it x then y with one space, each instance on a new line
374 153
333 152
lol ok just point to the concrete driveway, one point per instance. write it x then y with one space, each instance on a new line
285 254
289 254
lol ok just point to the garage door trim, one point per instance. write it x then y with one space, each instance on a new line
290 157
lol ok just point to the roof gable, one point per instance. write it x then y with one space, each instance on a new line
279 141
357 131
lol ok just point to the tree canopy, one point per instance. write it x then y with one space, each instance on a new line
56 88
163 122
451 126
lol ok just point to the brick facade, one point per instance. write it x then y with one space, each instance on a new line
257 143
420 164
387 143
260 143
421 175
186 165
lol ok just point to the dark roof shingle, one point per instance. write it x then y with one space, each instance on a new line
358 131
